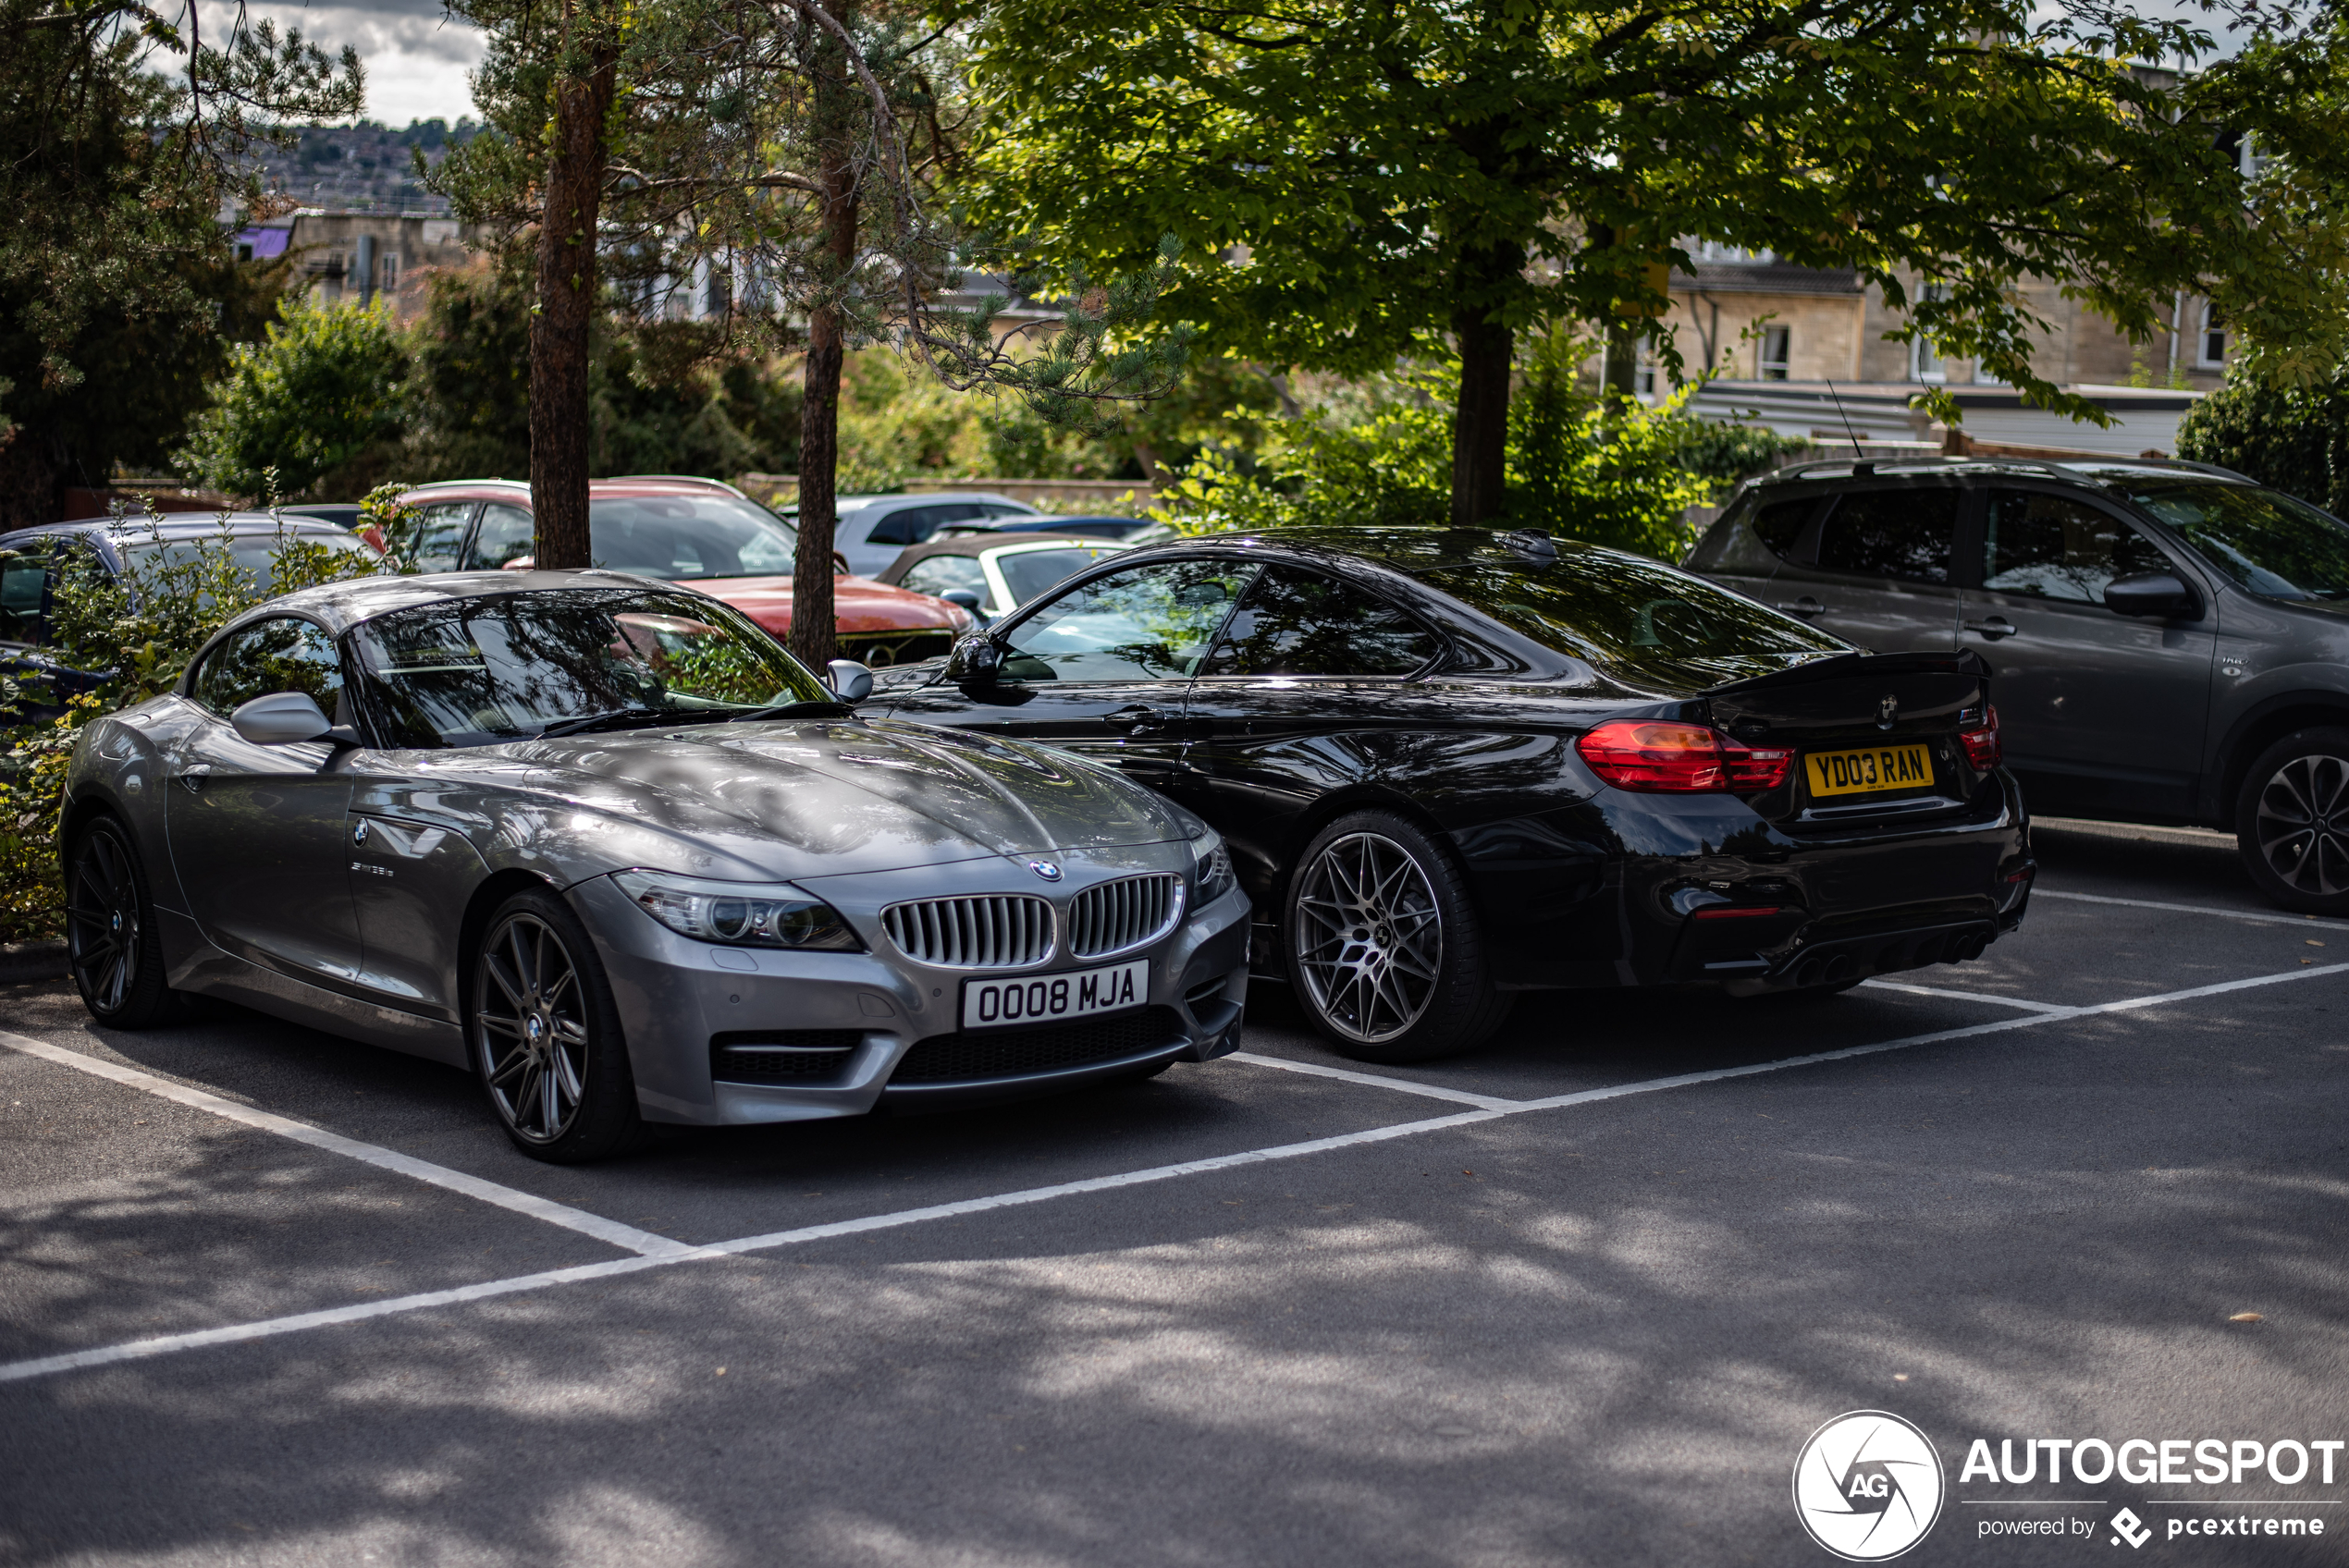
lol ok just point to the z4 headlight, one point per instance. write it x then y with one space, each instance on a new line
738 914
1211 867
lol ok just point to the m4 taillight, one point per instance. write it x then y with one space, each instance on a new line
1657 757
1982 743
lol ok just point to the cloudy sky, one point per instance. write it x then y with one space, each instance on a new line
416 56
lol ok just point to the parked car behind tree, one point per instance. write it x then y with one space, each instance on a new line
682 530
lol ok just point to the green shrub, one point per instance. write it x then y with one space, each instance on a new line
139 631
326 384
1610 470
2297 440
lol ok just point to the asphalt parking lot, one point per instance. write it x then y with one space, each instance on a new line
267 1297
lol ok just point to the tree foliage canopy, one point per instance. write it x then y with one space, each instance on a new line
120 136
1358 177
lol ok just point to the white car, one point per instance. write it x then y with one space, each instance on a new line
996 573
873 529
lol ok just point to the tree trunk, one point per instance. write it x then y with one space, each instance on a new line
1481 421
567 294
837 102
1620 369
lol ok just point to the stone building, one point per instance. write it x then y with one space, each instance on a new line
1804 351
360 256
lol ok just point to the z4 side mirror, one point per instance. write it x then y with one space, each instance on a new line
281 718
850 681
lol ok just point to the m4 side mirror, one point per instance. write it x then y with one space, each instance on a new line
973 661
2155 593
281 718
851 681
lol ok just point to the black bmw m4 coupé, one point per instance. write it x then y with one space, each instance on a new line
1457 765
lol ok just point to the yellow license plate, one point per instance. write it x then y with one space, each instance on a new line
1866 772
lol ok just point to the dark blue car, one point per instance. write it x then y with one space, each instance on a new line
31 559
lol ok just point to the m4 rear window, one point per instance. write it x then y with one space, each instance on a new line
1621 610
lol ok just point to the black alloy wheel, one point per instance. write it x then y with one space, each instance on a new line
112 944
1384 946
547 1039
2291 821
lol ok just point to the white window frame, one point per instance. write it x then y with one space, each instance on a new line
1782 367
1925 362
2209 325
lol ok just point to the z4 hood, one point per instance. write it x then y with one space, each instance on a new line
817 797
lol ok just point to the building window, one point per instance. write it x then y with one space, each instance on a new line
718 293
2211 353
1724 254
391 271
1776 353
1925 360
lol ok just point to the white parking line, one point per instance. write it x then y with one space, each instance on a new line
1375 1081
1963 996
358 1312
608 1230
2254 916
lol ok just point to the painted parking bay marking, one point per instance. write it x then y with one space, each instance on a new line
610 1231
1081 993
361 1311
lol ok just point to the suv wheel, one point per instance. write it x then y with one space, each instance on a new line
2291 821
1383 947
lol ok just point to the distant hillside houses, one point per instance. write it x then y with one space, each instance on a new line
365 167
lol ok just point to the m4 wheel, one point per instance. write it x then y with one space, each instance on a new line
112 943
1384 950
2291 821
545 1036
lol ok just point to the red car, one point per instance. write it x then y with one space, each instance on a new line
695 530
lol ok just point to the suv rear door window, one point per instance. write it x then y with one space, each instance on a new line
1900 534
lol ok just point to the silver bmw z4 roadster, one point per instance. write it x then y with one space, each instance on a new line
604 843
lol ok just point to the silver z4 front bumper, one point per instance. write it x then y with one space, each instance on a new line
736 1035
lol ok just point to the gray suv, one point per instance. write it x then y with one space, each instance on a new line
2169 641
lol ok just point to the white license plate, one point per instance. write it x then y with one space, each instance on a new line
1044 998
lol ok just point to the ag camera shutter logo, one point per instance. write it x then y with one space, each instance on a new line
1868 1486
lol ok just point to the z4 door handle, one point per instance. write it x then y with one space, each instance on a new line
1136 720
1998 626
1803 606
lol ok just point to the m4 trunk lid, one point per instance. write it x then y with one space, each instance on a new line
1875 736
